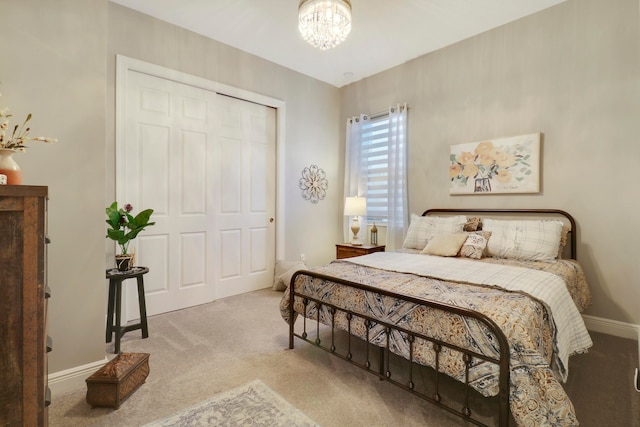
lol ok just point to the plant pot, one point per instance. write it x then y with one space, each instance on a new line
124 262
9 167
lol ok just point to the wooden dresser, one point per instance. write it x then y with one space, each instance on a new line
24 395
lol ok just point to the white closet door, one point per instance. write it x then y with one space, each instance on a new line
245 195
178 159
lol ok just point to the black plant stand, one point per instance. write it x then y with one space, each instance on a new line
116 277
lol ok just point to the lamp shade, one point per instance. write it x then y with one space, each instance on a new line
355 206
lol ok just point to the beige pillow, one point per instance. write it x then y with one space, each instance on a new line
445 244
285 277
475 245
283 267
423 228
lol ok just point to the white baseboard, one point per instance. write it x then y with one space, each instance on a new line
612 327
74 378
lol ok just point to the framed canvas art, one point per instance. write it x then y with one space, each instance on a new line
504 165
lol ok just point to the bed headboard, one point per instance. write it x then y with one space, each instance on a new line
518 214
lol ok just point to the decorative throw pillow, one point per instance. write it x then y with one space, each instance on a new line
285 277
526 240
445 244
423 228
472 224
475 245
564 235
281 268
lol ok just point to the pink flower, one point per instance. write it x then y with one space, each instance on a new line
128 207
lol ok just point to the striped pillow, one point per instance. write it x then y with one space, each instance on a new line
424 228
526 240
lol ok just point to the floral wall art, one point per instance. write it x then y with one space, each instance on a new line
504 165
313 184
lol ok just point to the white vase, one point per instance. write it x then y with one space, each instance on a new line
9 167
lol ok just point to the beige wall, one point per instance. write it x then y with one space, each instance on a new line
53 64
571 72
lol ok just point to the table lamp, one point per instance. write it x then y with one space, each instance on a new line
355 206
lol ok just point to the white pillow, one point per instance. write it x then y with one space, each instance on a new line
424 228
527 240
285 277
281 268
445 244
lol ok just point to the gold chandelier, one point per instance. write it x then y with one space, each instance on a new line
324 23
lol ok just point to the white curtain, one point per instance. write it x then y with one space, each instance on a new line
356 175
354 178
398 218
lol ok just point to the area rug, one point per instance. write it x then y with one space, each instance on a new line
251 404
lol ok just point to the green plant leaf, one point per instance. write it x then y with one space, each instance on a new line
142 219
114 215
116 235
120 221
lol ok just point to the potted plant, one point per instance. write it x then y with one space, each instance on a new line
124 227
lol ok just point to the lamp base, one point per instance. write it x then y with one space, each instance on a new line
355 228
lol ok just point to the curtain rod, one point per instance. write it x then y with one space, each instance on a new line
382 113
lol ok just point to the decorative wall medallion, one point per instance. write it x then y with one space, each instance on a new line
313 184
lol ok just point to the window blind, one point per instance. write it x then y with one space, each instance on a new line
375 161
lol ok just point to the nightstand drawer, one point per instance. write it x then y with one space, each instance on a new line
346 250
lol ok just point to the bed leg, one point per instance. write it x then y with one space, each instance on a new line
291 312
290 332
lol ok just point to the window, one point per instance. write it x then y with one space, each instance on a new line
375 165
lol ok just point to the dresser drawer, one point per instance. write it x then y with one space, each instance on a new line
346 250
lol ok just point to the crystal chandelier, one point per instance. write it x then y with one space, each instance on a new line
324 23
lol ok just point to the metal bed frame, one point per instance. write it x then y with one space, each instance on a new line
383 369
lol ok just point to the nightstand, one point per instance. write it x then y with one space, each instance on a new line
346 250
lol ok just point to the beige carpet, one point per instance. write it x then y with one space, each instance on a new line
200 352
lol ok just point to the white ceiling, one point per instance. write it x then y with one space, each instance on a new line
384 33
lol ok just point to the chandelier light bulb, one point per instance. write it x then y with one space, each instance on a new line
324 23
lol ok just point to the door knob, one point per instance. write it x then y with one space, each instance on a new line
270 219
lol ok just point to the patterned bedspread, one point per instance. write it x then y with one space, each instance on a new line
536 395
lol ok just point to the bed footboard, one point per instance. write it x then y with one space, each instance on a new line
383 368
